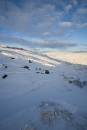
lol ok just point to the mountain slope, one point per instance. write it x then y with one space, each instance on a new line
39 92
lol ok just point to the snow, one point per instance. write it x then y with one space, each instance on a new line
33 100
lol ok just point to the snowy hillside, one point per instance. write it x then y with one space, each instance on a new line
40 92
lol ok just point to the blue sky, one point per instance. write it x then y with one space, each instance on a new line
52 24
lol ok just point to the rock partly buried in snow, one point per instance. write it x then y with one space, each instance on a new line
50 111
38 68
30 61
85 83
78 83
26 67
47 72
4 66
52 114
29 126
42 71
48 116
12 58
37 72
4 76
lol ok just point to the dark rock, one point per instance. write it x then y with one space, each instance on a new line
70 81
30 61
47 72
39 68
4 76
6 66
85 83
42 72
26 67
78 83
12 58
37 72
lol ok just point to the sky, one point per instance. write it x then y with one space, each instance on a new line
44 24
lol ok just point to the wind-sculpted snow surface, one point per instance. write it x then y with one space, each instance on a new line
38 92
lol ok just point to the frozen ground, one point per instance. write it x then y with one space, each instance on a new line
39 92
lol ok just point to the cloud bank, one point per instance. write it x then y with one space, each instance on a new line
44 19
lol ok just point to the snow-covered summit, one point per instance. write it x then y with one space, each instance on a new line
41 92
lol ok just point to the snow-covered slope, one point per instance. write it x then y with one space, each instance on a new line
38 92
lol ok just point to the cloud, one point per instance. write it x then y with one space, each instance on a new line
70 25
74 2
12 40
34 20
29 18
44 19
37 43
68 7
82 11
55 44
84 25
80 15
46 33
66 24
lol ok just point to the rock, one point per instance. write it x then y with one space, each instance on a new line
47 72
78 83
4 76
48 116
30 61
39 68
12 58
70 81
85 83
50 112
26 67
6 66
42 72
37 72
29 127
